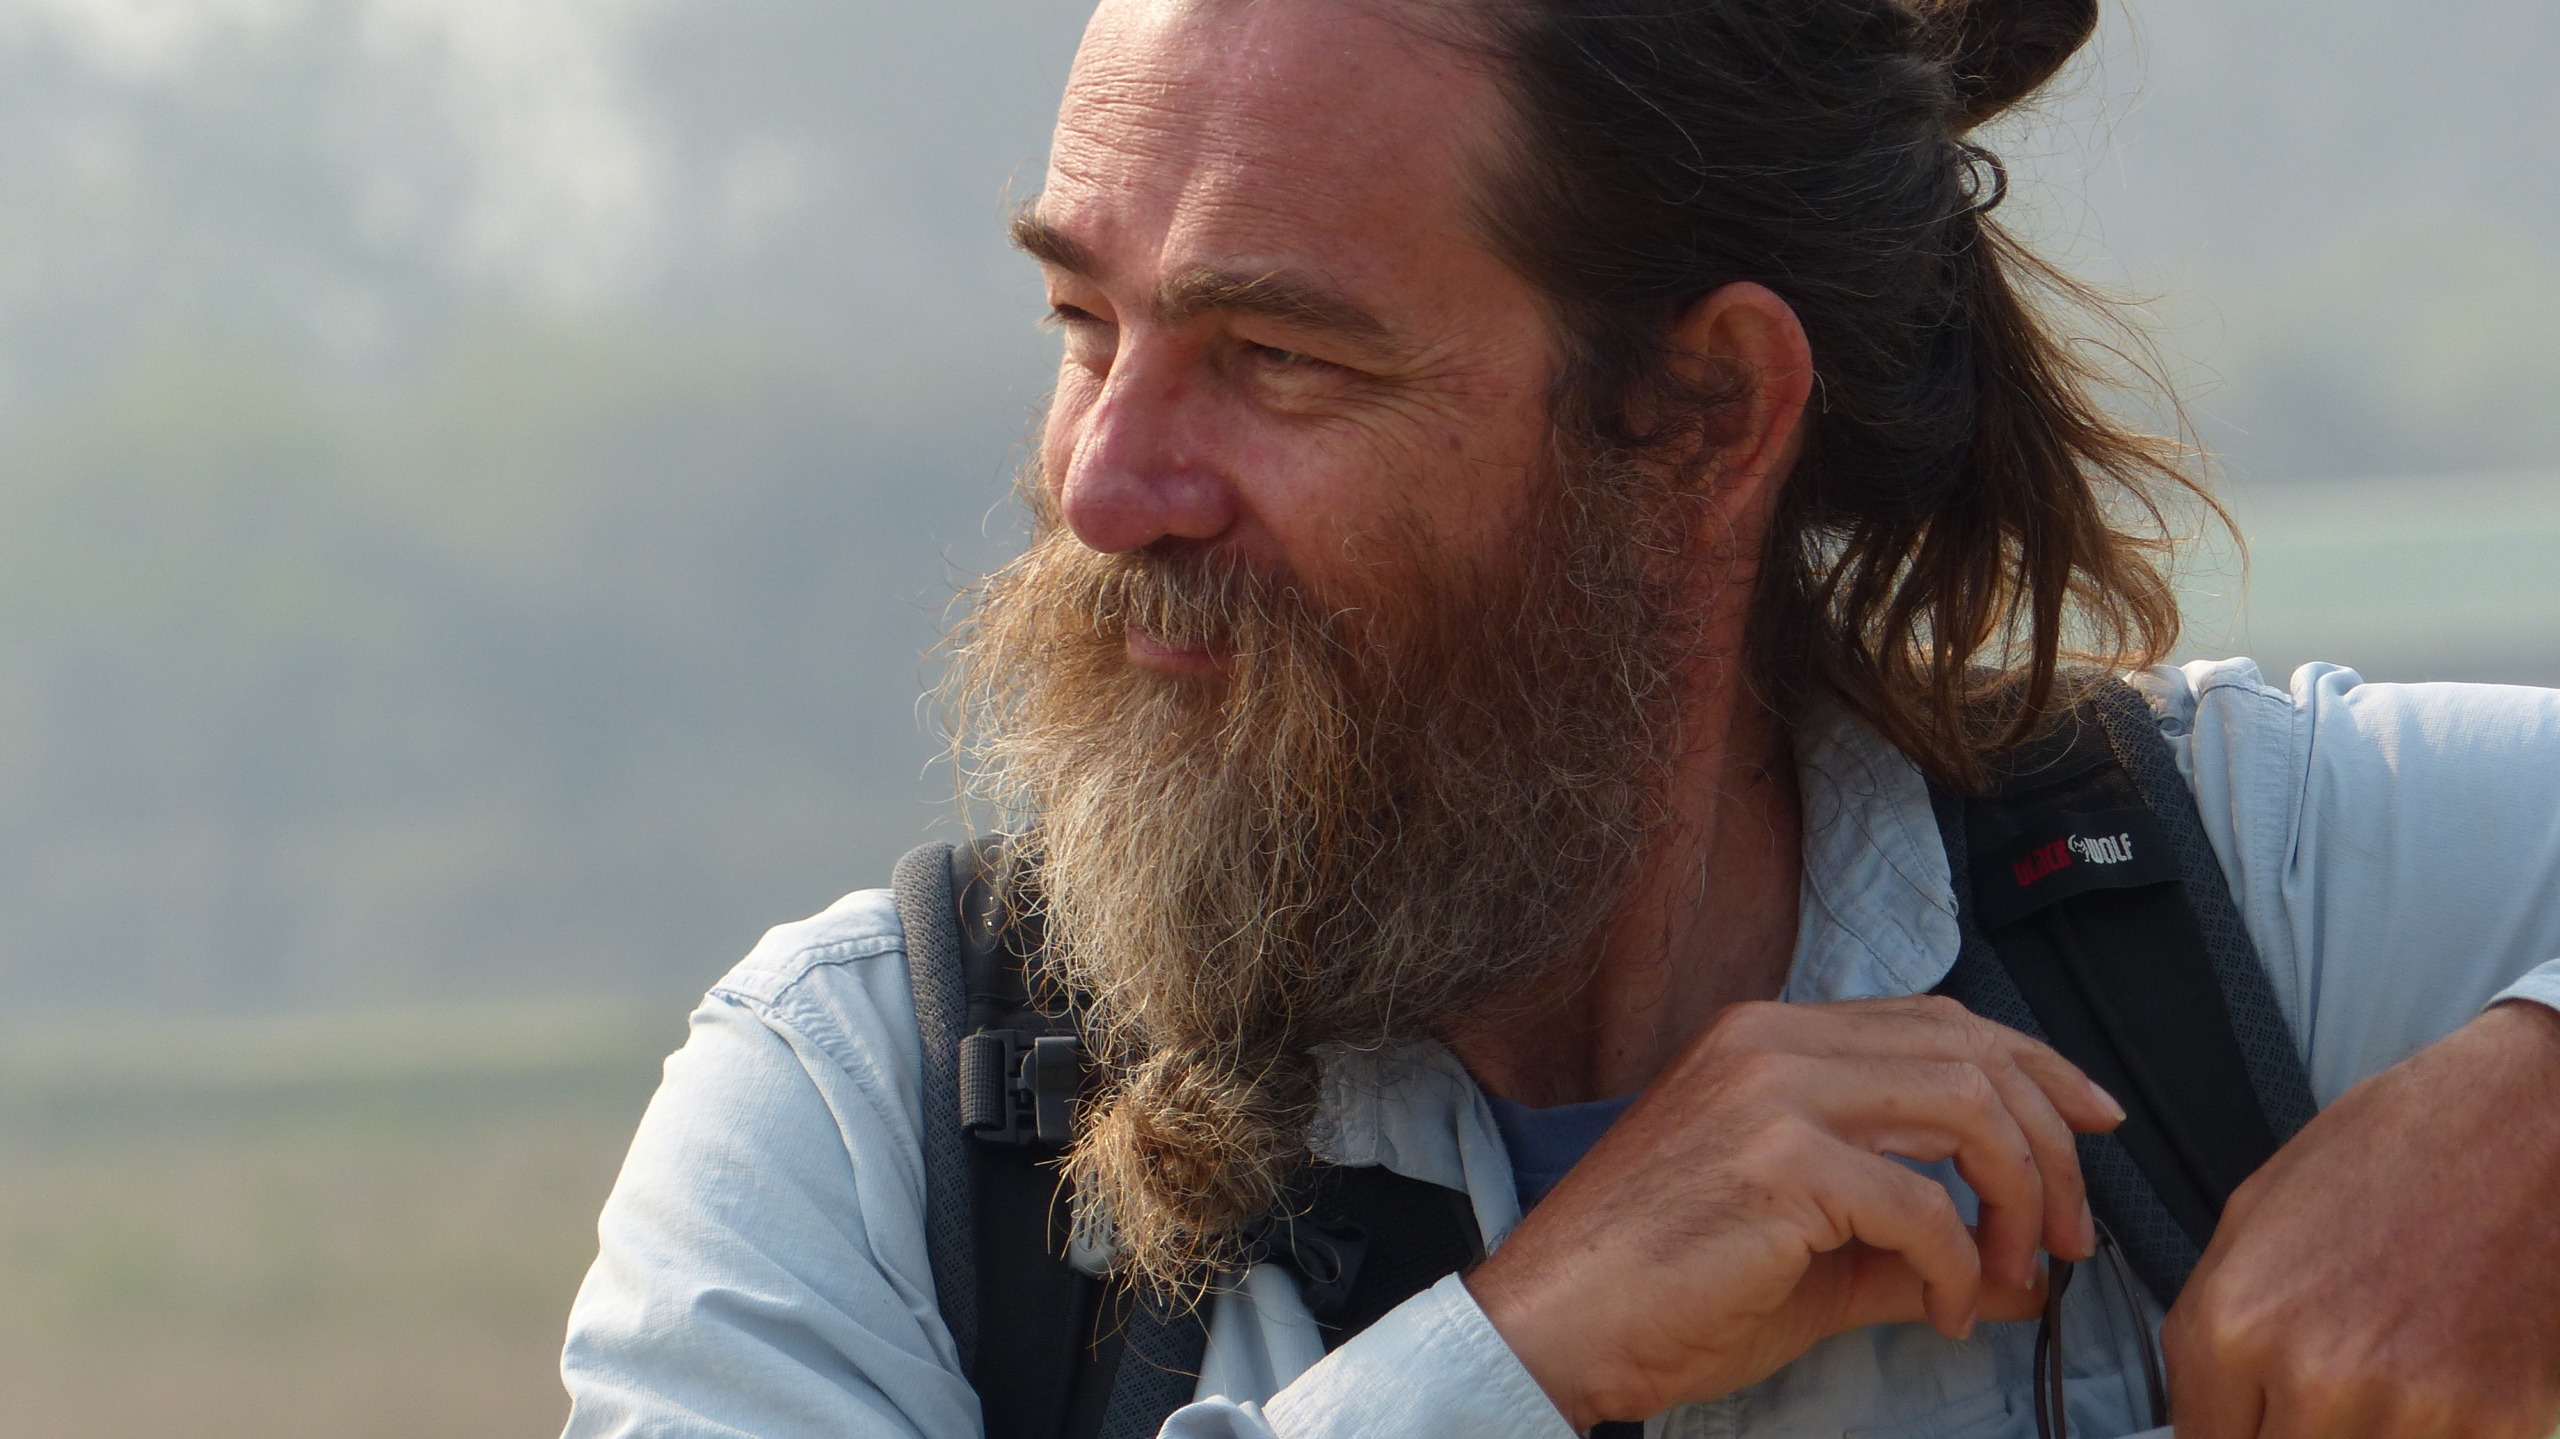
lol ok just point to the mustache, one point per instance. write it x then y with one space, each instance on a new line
1205 598
1192 597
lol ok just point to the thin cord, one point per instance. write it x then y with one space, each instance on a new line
2155 1387
2051 1421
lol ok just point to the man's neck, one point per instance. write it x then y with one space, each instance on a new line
1709 922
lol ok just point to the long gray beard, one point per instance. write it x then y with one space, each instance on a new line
1390 811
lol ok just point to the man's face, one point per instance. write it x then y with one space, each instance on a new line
1338 689
1285 349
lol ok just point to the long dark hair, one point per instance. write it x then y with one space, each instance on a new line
1967 513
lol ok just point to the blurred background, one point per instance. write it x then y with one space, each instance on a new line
477 478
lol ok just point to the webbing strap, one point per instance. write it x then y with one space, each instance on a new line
1039 1318
934 973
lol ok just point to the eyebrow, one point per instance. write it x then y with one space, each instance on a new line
1048 244
1276 294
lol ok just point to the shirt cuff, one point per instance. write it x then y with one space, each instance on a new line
2540 984
1433 1366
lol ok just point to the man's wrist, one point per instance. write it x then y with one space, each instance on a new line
1512 1315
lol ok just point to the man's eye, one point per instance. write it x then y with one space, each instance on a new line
1091 340
1286 359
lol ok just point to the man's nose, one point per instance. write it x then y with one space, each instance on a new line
1146 466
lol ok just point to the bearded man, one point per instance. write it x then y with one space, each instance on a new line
1552 517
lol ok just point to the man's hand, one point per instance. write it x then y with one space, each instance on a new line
1743 1209
2395 1270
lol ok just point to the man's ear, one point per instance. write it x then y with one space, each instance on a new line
1746 332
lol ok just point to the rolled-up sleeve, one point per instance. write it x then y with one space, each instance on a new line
760 1268
1433 1366
2395 848
2541 985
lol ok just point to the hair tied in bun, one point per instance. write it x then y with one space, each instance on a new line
2001 51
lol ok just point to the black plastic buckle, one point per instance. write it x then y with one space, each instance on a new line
1325 1258
1016 1088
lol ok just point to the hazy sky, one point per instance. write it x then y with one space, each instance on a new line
477 476
2346 210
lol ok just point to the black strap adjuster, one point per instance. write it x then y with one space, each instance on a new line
1016 1088
1326 1258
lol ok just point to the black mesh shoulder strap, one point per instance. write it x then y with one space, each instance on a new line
930 919
1026 1322
1053 1352
2094 915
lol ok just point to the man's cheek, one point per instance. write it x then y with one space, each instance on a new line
1342 497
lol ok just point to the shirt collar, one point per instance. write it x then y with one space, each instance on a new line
1878 912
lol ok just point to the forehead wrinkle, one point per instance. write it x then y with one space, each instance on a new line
1277 294
1205 289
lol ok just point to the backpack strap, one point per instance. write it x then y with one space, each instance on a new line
922 882
1000 1076
2094 915
1054 1352
2274 1060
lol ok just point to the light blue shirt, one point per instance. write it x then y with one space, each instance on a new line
2395 850
1546 1143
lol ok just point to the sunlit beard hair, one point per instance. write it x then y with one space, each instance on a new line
1392 808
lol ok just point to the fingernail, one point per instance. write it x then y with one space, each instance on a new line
2088 1232
2108 1100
